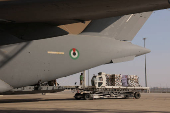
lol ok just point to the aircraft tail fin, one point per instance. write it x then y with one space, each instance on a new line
121 28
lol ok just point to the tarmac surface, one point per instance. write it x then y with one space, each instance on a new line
64 102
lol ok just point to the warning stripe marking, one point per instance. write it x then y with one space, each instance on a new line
52 52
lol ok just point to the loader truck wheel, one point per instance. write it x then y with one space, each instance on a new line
137 95
87 96
77 96
126 97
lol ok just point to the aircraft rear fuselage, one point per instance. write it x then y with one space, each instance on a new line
26 63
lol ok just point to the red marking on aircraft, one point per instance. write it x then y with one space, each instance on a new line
74 49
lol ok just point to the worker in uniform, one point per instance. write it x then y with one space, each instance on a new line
52 83
93 80
81 79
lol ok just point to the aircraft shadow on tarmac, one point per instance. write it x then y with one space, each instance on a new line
40 99
79 111
32 100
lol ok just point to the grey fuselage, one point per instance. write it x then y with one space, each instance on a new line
26 63
35 40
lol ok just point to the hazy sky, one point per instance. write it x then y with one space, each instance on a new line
157 31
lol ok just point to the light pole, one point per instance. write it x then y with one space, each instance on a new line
145 65
88 77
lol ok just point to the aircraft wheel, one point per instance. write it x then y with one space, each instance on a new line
137 95
77 96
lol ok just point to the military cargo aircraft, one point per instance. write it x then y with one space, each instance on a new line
48 39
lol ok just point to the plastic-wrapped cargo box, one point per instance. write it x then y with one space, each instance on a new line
133 81
125 80
114 80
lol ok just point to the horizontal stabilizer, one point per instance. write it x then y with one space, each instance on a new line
121 28
124 59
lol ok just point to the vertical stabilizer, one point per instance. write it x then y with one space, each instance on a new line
121 28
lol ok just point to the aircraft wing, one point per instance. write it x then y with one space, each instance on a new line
28 20
61 12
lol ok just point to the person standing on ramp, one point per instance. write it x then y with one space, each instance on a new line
81 79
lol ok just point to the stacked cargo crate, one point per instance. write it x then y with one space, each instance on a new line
114 80
109 80
118 80
121 80
130 80
133 81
